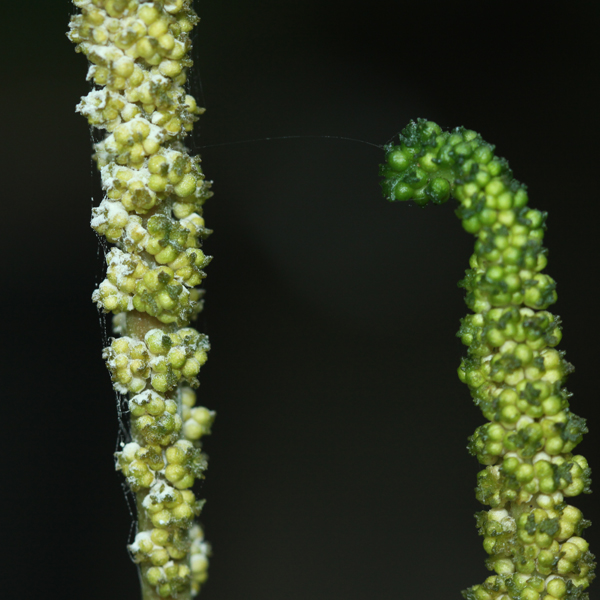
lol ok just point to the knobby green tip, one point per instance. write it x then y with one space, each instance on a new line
515 374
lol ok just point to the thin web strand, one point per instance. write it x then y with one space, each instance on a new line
290 137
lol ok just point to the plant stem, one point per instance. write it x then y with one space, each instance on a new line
514 373
152 214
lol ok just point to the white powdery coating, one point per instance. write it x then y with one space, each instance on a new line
145 397
140 537
108 149
130 110
99 218
104 154
108 289
157 134
170 6
114 209
501 516
158 79
495 470
498 514
159 492
141 175
129 451
107 211
155 82
90 72
111 363
120 264
156 362
171 155
93 103
155 131
135 225
104 54
157 117
194 219
107 177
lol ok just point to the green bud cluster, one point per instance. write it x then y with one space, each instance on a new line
159 551
139 53
513 370
154 419
162 291
140 464
543 542
168 506
544 476
163 358
169 579
158 546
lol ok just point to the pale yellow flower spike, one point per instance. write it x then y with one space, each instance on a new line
152 213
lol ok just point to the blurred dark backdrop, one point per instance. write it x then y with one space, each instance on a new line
338 462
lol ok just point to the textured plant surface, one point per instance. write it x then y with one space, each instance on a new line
514 373
152 214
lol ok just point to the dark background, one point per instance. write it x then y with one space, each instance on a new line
338 462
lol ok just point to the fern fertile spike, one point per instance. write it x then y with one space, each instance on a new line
515 374
139 53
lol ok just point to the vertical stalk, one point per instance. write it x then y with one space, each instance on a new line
139 53
515 374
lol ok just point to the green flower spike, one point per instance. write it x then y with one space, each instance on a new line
532 535
152 213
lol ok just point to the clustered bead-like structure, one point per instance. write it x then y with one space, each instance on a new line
163 358
515 374
152 213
